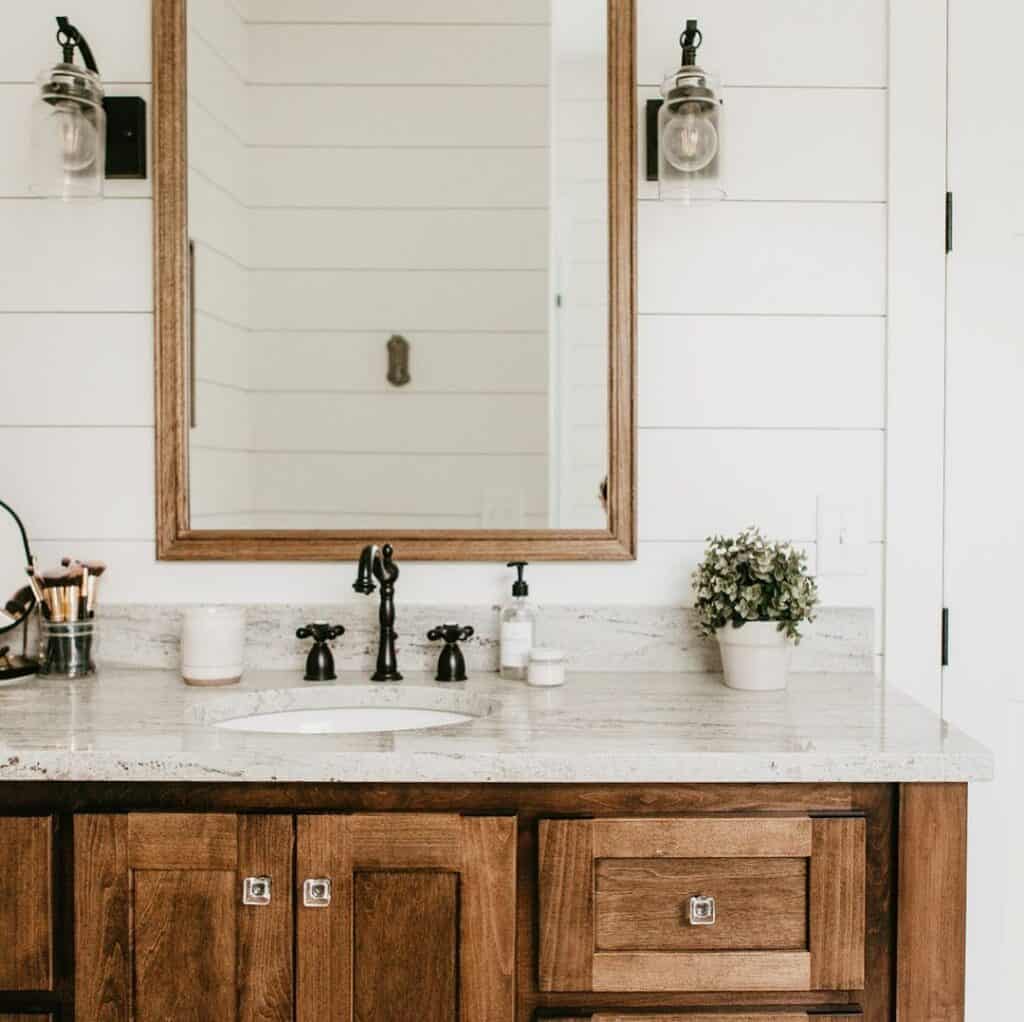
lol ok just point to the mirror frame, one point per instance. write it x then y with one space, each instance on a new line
175 540
20 623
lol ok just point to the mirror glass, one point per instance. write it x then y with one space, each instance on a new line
398 215
16 601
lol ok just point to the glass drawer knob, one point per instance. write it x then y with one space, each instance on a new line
316 892
702 910
256 891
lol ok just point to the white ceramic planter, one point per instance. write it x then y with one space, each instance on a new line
755 657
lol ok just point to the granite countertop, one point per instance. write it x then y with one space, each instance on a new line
146 725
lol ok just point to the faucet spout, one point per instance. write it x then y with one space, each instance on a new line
377 563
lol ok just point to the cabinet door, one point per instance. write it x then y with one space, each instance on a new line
161 927
26 924
419 925
704 904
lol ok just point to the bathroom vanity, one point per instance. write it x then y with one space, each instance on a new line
652 847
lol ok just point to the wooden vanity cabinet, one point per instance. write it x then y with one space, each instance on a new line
375 917
26 903
162 930
761 903
418 923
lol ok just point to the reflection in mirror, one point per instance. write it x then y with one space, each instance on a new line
17 599
399 218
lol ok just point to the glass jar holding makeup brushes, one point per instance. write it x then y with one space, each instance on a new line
65 648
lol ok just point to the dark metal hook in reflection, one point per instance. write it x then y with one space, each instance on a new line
398 361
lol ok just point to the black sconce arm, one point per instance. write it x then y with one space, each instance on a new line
71 39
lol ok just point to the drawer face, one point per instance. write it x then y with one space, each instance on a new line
26 905
725 904
755 1016
644 904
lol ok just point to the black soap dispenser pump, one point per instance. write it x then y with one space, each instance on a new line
518 625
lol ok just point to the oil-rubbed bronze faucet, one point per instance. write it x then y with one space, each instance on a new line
376 562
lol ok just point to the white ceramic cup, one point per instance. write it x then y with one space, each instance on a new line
212 645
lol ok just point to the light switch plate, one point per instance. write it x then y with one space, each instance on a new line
842 538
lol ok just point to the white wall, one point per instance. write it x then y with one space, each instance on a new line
761 322
983 689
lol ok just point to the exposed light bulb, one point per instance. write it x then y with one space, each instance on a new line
689 141
79 139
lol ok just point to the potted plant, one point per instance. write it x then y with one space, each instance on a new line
753 594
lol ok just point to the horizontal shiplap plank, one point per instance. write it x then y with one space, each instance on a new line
357 116
659 575
438 362
71 483
399 301
776 257
220 24
695 482
792 42
400 11
223 354
118 32
219 480
76 256
220 157
364 521
100 370
16 171
223 418
376 178
762 371
222 288
217 87
399 239
416 55
399 484
400 423
799 144
216 219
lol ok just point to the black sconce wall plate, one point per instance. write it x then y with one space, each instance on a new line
653 106
126 137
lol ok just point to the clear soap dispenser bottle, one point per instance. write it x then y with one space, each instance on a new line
517 628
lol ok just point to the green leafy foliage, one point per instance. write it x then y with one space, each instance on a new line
749 578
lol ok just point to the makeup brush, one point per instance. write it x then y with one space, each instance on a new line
71 593
53 584
33 581
95 570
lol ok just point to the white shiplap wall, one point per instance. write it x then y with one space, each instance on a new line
761 319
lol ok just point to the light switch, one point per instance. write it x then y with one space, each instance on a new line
842 538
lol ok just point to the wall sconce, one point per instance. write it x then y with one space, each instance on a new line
684 130
81 137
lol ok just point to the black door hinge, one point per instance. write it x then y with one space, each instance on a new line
949 222
945 636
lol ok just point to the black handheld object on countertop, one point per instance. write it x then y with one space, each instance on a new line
451 665
320 662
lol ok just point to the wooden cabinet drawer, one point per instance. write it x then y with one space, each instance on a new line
26 903
703 1016
715 904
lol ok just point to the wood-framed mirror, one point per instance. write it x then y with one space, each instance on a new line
395 279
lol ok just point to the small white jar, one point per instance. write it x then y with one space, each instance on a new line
547 667
212 645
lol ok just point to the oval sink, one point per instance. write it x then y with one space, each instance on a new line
344 720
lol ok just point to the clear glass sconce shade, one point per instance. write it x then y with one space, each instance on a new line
690 137
69 134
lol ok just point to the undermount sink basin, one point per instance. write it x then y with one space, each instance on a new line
344 720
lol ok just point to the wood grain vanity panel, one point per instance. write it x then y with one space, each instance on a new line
838 893
402 883
26 903
406 955
160 930
616 893
931 950
761 1016
642 904
26 1018
184 944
